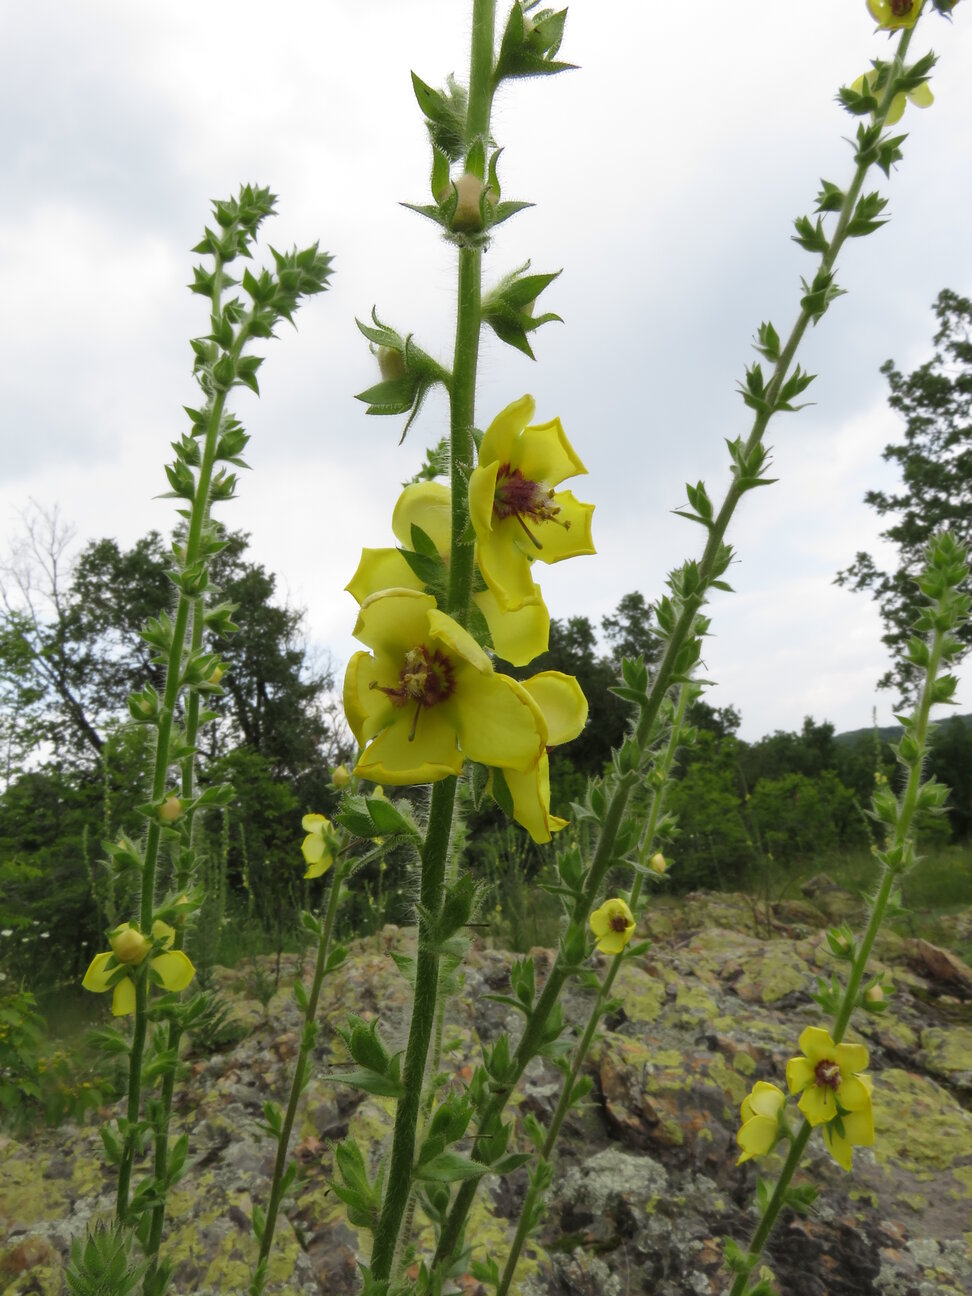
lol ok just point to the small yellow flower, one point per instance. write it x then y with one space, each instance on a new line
921 97
129 948
340 776
658 864
613 925
426 697
828 1077
760 1112
894 13
316 846
516 514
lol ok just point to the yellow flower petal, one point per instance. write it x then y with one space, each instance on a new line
566 536
393 618
816 1044
517 636
531 800
896 111
161 931
851 1058
543 454
799 1074
381 569
818 1104
319 868
496 720
562 701
504 567
839 1147
174 969
431 755
922 96
482 492
500 436
427 505
756 1137
766 1099
313 849
852 1094
315 823
123 998
367 709
96 977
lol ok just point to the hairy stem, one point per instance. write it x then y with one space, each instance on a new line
438 835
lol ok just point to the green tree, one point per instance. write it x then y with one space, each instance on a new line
935 459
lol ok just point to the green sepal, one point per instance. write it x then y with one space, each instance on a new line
449 1167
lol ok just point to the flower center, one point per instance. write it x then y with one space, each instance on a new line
901 7
618 922
427 678
827 1074
518 497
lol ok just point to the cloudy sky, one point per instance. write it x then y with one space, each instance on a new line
665 173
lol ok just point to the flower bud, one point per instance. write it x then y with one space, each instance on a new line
340 776
216 676
391 363
128 945
467 218
658 864
171 809
874 994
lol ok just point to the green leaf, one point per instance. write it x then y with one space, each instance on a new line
449 1167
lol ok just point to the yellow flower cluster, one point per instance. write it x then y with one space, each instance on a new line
834 1092
425 696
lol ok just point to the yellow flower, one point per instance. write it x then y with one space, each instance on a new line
171 809
563 708
894 13
828 1076
340 776
613 925
169 968
516 514
921 96
518 636
850 1130
760 1112
658 864
316 846
426 697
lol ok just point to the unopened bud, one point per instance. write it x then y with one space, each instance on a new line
467 218
874 994
216 676
128 945
145 706
170 810
658 864
340 776
391 363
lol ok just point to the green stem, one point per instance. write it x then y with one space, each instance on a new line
420 1030
297 1085
662 681
462 398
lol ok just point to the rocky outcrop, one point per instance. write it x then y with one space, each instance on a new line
646 1186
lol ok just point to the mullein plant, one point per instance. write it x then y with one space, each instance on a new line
426 704
146 967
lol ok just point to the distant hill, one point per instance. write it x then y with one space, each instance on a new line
889 733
